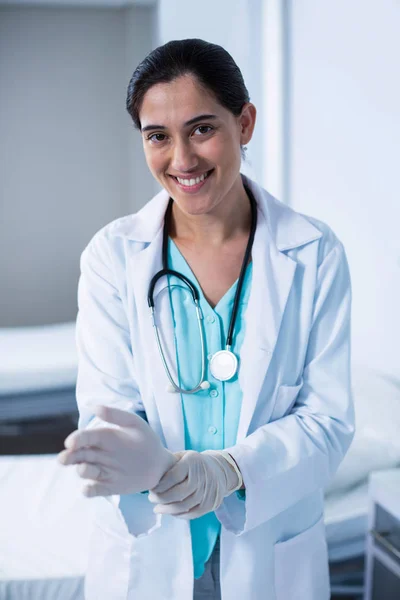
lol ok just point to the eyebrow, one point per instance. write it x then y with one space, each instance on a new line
190 122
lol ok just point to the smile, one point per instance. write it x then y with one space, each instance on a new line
190 182
193 182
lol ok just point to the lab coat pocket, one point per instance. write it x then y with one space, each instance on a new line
107 573
301 566
285 398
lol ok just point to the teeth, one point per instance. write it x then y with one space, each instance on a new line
190 182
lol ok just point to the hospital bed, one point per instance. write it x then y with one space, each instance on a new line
38 369
45 529
376 446
44 539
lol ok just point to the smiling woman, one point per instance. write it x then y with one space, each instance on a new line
222 317
189 100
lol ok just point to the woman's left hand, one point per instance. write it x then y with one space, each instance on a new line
195 485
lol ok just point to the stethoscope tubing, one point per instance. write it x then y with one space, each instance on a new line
245 262
177 388
162 273
165 271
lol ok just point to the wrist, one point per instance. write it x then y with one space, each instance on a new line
169 460
232 466
243 487
232 462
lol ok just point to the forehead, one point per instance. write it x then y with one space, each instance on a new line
178 101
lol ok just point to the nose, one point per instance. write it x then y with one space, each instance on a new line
183 158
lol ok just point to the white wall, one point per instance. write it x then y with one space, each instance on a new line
140 39
345 149
69 159
273 75
237 26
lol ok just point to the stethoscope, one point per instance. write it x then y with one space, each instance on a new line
224 363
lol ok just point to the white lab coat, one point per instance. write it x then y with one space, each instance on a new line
296 421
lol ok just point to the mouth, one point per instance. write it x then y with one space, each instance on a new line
193 184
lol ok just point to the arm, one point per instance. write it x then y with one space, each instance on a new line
105 362
292 457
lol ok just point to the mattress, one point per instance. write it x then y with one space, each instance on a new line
37 359
44 539
37 405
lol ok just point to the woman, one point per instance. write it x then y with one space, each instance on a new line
245 390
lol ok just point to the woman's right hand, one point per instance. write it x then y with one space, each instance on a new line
122 460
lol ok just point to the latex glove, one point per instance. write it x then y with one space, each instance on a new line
122 460
197 484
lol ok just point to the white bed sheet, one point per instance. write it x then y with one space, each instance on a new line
45 529
37 358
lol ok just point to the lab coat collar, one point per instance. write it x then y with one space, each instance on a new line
287 228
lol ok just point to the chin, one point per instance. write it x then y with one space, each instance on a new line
195 206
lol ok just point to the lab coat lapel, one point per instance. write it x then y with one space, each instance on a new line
147 263
273 274
278 229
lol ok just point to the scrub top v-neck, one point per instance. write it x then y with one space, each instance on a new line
211 416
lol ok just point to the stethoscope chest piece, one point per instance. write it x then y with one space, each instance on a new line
223 365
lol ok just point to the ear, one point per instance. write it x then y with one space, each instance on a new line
247 121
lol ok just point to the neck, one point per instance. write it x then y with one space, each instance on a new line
230 219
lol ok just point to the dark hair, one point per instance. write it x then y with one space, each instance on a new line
211 64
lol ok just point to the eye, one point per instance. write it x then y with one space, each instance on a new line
157 138
203 129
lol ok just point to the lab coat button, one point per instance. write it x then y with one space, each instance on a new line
212 429
214 393
210 319
209 356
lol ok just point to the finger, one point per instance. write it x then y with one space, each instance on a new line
87 471
177 508
172 477
117 416
63 457
97 489
71 457
178 455
85 455
177 493
188 516
194 513
85 437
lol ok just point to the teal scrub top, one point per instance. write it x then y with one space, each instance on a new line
211 416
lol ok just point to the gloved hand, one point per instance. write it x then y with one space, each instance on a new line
196 484
122 460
